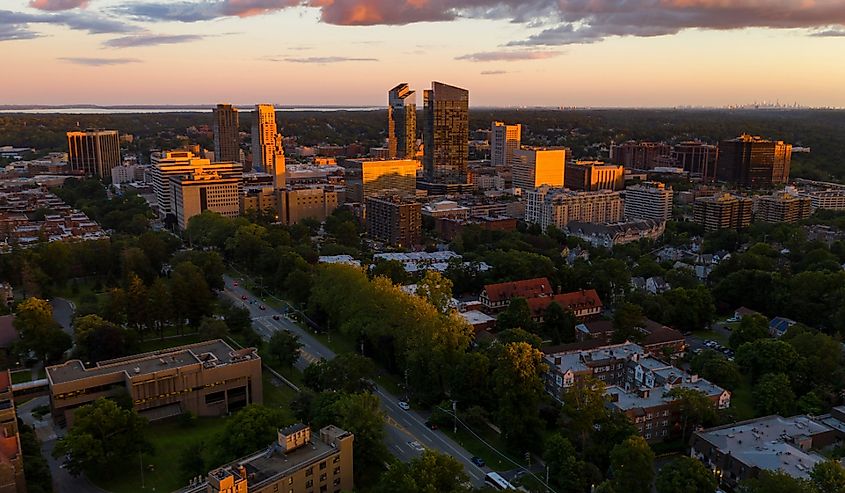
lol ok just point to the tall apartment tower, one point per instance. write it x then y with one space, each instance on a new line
394 220
504 139
94 152
532 168
446 133
648 200
401 122
226 133
268 155
752 161
723 211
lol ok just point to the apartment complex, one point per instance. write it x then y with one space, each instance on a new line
401 123
696 158
723 211
592 176
752 161
504 140
446 133
532 168
656 337
207 379
556 207
394 220
833 199
181 163
648 200
370 178
94 152
227 137
268 154
610 235
12 478
201 191
295 463
496 297
782 207
640 155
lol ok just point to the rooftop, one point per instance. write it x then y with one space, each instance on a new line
526 288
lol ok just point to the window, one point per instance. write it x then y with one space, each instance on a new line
309 471
215 397
648 436
290 480
323 477
336 471
309 483
336 481
324 489
322 465
336 459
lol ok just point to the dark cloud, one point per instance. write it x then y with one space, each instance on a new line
98 62
55 5
10 32
137 40
325 59
508 56
172 11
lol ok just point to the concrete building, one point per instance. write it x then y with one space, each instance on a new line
94 152
126 174
752 161
592 176
227 137
314 202
504 140
268 153
832 199
556 207
445 209
180 163
295 463
369 178
12 478
696 158
640 155
401 123
191 195
723 211
208 379
534 168
648 200
782 207
394 221
446 133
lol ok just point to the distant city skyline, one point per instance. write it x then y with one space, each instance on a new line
508 53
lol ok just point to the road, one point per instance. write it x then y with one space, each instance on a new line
63 311
403 428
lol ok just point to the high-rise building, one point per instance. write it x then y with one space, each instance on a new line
268 154
782 207
723 211
446 133
180 163
94 152
532 168
648 200
504 139
203 190
639 155
557 207
394 220
367 178
227 139
696 158
401 122
752 161
591 176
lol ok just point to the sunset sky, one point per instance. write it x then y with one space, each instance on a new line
350 52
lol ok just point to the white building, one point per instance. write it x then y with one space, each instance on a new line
558 207
649 200
183 163
504 139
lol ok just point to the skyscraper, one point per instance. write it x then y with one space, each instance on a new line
504 139
446 133
697 158
94 152
753 161
401 122
268 155
226 134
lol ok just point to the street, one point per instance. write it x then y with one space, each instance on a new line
403 428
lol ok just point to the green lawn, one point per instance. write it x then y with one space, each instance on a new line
477 448
21 376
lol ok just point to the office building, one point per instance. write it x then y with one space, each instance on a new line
557 207
696 158
311 202
394 221
207 379
227 137
648 200
534 168
368 178
639 155
401 123
782 207
203 190
723 211
446 133
752 161
12 478
268 154
295 463
94 152
179 163
504 139
591 176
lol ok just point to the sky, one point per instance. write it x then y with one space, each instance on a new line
599 53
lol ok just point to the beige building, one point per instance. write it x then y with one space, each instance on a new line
648 200
556 207
316 202
782 207
369 178
591 176
532 168
295 463
191 195
181 163
504 140
207 379
12 478
268 154
94 152
832 199
723 211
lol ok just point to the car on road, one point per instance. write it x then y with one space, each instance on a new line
404 405
235 284
262 307
478 461
275 317
244 297
416 446
430 425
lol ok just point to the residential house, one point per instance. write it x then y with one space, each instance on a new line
584 304
496 297
779 325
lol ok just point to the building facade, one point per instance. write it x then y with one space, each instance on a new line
782 207
532 168
227 137
181 163
191 195
369 178
752 161
504 140
207 379
648 200
556 207
394 221
592 176
833 199
401 123
640 155
723 211
12 478
446 133
268 153
696 158
94 152
314 202
497 297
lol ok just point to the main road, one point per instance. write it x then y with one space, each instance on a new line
406 431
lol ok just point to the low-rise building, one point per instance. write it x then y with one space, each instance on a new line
449 229
832 199
496 297
584 304
656 337
610 235
448 209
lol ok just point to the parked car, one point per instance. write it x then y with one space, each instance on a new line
416 446
478 461
404 405
431 426
244 297
262 307
275 317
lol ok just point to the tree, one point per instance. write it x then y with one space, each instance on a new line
348 372
428 473
159 306
38 332
696 408
766 356
213 328
191 462
828 477
516 316
102 436
250 429
518 383
566 471
391 269
776 482
558 324
437 289
518 335
191 295
717 368
750 328
136 303
686 475
628 319
632 466
773 395
284 347
584 403
98 339
237 318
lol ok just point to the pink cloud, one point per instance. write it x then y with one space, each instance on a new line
56 5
